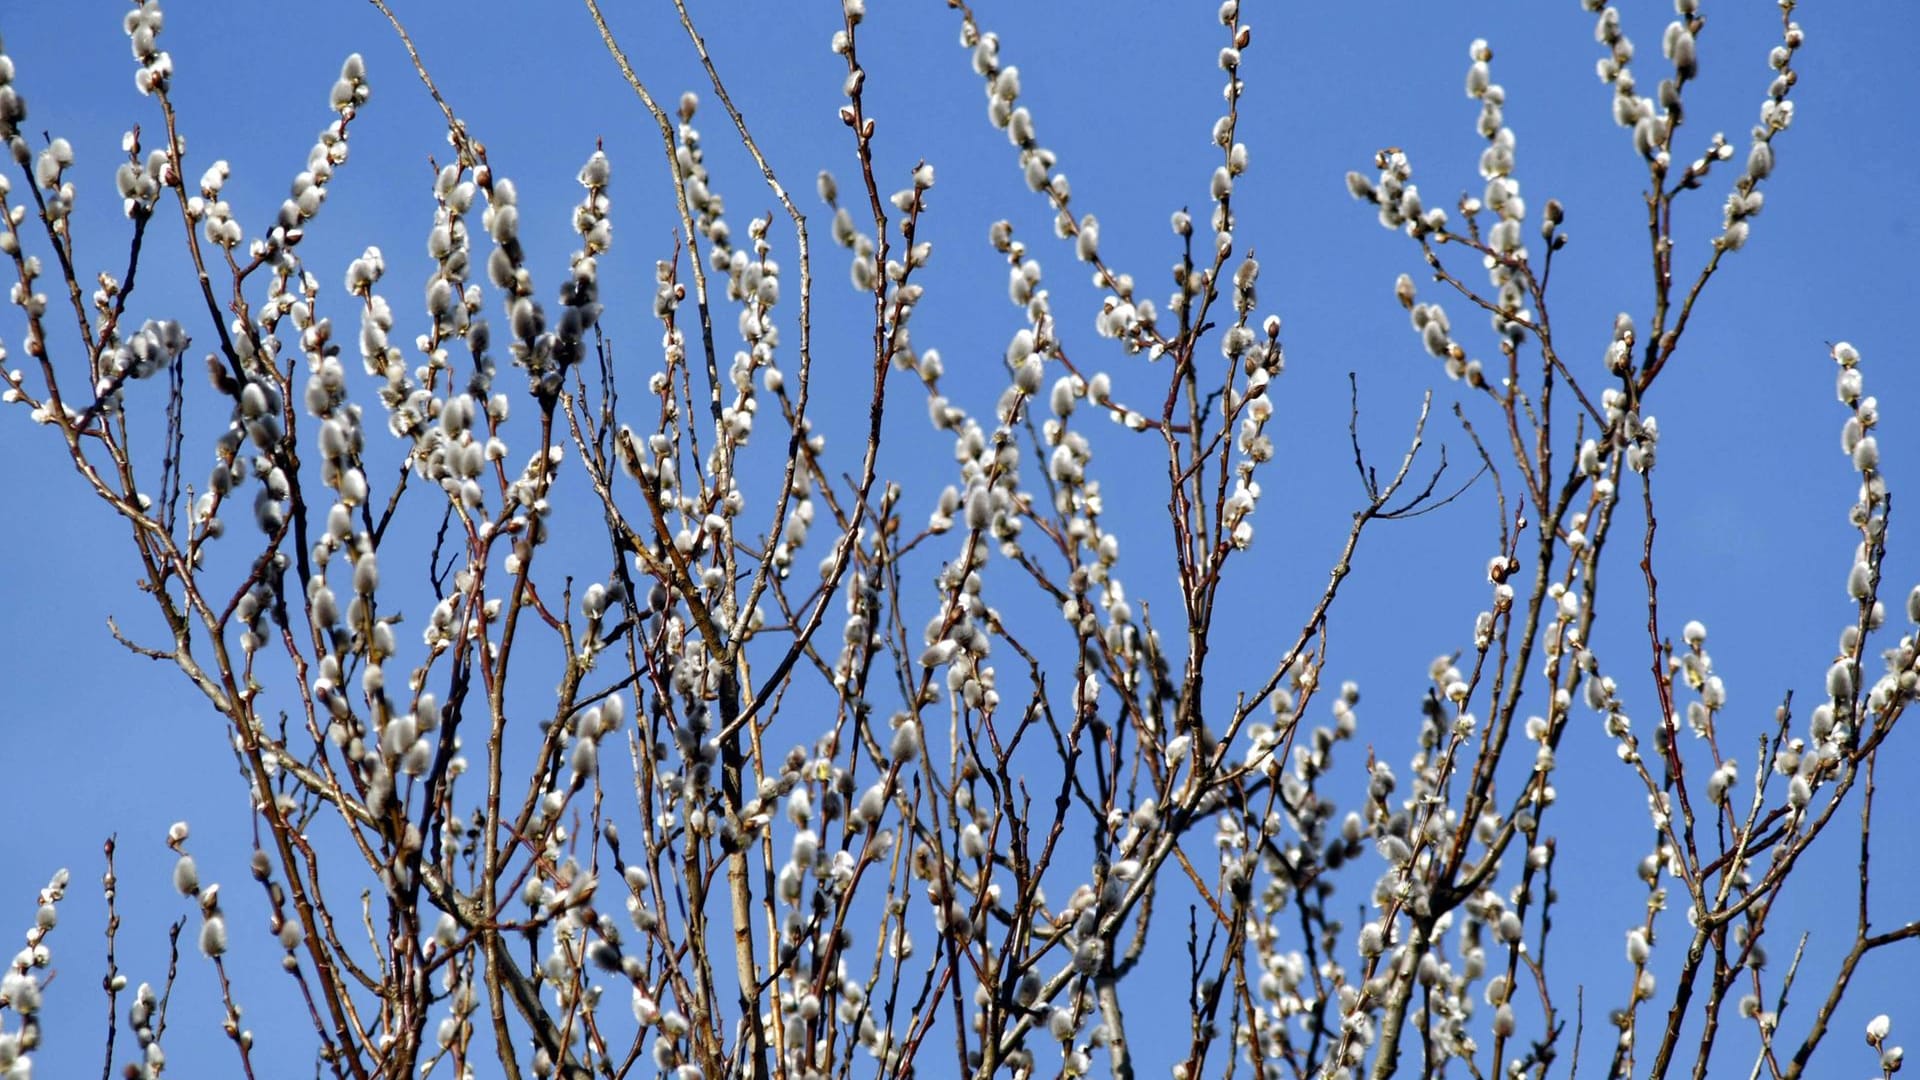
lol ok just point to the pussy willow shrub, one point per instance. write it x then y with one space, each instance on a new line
759 781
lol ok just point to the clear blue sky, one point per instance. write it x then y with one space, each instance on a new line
1755 488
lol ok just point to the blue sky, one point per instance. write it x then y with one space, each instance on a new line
1755 489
